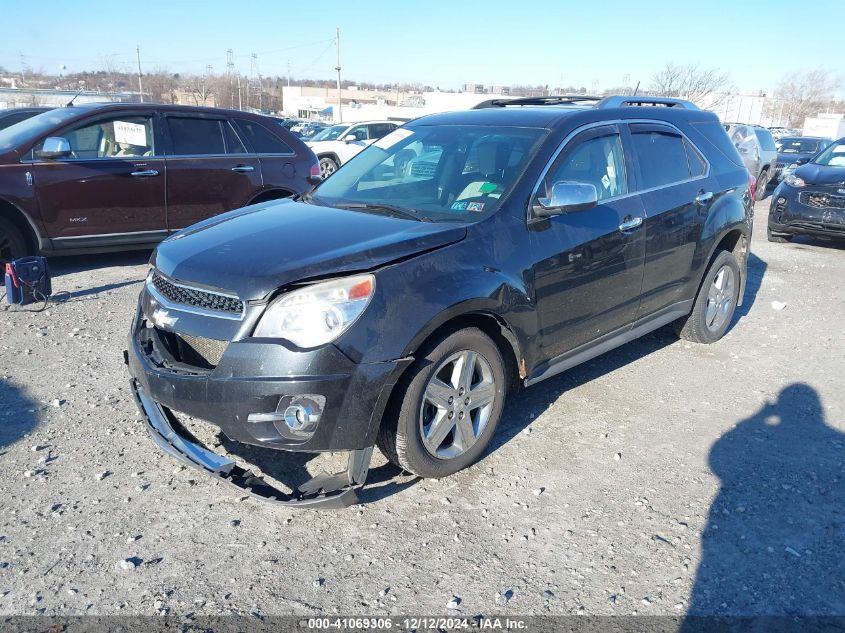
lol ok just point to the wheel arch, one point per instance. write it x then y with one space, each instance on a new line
23 222
331 155
735 241
270 194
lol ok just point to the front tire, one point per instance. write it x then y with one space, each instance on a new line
12 242
447 405
715 303
328 166
762 183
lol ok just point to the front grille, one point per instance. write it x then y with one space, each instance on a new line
208 349
821 200
423 169
196 298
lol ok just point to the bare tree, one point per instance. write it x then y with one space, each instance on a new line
161 86
705 86
803 94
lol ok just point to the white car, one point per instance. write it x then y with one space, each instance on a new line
337 144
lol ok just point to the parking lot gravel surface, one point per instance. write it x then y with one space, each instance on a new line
664 477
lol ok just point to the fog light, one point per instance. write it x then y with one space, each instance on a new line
781 200
302 413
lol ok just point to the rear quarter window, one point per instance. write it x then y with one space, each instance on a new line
714 141
262 140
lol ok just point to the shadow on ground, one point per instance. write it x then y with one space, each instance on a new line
775 536
18 412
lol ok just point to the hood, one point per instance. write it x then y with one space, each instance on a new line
814 174
256 250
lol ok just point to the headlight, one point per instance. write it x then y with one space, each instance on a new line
794 181
317 314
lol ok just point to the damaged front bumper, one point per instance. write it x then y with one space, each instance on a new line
323 491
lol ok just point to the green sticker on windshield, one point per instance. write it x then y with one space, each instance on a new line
488 187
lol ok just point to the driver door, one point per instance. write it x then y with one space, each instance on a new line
350 148
588 267
110 188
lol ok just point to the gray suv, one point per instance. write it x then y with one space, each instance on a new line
756 146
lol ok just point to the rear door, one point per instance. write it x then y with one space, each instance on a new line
589 264
677 191
209 170
278 160
110 190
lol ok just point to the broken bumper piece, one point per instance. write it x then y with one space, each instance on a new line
322 491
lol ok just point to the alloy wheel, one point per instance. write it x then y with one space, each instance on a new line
720 298
456 405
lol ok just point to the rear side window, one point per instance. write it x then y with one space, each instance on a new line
195 136
661 156
262 141
378 130
697 164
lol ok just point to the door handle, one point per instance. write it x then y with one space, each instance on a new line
242 169
630 224
704 196
144 172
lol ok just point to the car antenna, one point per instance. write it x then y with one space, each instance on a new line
637 89
70 103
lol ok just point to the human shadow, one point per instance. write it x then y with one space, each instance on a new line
19 413
774 544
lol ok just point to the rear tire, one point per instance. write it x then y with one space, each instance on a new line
777 237
431 427
762 183
12 242
715 302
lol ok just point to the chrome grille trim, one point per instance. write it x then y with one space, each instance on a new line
186 298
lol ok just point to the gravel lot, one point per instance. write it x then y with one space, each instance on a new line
661 478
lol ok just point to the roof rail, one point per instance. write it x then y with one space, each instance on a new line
619 101
530 101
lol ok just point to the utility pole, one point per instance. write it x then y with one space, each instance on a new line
337 68
140 86
240 103
288 73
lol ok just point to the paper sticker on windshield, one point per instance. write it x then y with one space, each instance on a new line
605 181
459 206
386 142
130 133
477 207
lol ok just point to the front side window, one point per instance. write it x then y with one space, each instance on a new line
191 137
377 130
597 161
661 156
444 172
359 133
833 156
121 137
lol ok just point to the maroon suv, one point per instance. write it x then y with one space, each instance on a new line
112 176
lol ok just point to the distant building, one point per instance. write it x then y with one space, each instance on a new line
22 97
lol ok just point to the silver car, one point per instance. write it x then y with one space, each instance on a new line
757 148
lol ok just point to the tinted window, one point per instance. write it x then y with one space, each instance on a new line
377 130
596 161
697 165
767 141
359 132
661 157
262 140
714 133
196 136
233 143
15 118
119 137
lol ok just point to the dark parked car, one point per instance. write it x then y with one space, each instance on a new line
400 309
794 151
10 116
811 200
116 176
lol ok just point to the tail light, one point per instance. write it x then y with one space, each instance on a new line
752 186
315 170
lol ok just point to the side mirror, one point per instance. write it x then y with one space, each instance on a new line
55 147
567 197
349 138
802 161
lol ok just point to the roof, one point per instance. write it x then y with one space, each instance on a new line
163 107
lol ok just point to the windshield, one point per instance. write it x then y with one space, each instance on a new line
330 133
833 156
798 146
445 172
32 128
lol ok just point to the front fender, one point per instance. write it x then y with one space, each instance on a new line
728 214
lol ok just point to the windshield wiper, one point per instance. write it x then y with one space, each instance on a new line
393 209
